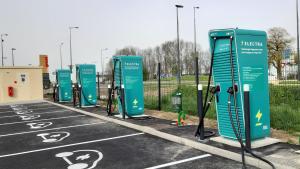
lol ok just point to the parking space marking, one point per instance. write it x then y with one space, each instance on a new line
28 109
83 158
69 145
26 132
180 161
55 118
52 137
58 111
27 117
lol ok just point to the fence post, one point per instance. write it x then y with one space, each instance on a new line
159 86
247 115
98 84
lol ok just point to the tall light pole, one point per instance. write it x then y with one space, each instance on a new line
102 66
195 48
12 56
178 49
2 40
298 40
71 61
60 54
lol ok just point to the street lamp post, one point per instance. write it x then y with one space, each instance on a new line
178 49
71 62
298 40
102 66
195 48
60 46
12 56
2 40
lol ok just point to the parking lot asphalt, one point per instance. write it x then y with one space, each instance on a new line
45 136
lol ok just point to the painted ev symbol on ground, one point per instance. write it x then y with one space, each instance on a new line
53 136
39 125
81 159
29 116
24 111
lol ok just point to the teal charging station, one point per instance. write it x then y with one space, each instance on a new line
128 80
64 85
86 80
240 57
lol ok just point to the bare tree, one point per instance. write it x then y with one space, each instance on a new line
204 60
279 39
166 53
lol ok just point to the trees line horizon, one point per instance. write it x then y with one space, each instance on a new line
279 40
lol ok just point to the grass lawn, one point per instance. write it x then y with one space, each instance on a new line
284 104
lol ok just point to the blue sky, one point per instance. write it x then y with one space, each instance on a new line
39 26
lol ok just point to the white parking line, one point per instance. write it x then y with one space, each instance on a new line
69 145
180 161
1 117
55 118
26 132
33 109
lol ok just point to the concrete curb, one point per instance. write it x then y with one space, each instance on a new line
197 145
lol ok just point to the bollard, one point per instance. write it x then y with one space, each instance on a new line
79 97
200 111
123 101
247 115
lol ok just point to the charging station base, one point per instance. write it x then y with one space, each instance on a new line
254 144
126 117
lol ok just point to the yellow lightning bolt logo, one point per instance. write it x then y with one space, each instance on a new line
135 102
258 115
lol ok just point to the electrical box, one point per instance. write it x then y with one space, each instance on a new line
128 71
250 68
63 79
86 79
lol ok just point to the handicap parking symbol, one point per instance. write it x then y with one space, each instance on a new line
53 136
81 159
39 125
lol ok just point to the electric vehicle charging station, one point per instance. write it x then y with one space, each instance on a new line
86 83
128 82
239 68
64 85
241 57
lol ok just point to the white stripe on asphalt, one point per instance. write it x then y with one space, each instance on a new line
33 109
55 118
1 117
26 132
180 161
69 145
